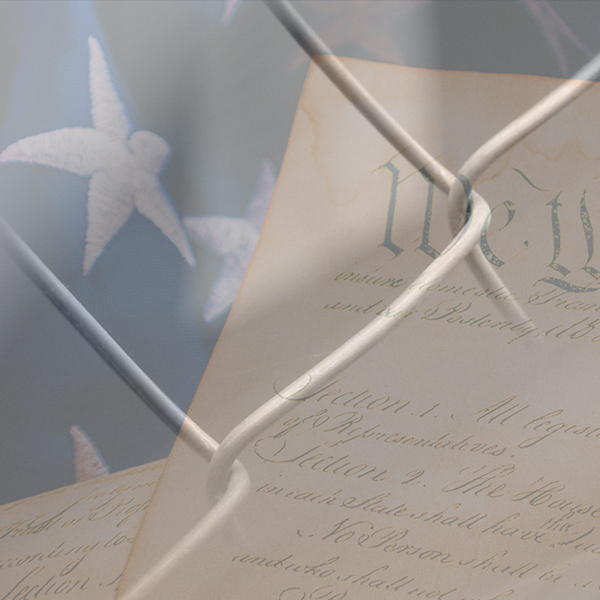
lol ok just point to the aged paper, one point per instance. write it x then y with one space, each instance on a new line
458 459
73 542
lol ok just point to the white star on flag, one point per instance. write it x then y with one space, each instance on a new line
88 462
123 167
233 238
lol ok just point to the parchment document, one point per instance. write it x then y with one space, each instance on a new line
458 460
73 542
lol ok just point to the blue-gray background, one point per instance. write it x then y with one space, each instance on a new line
223 95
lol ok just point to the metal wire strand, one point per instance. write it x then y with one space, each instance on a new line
145 388
513 133
100 340
316 378
390 129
